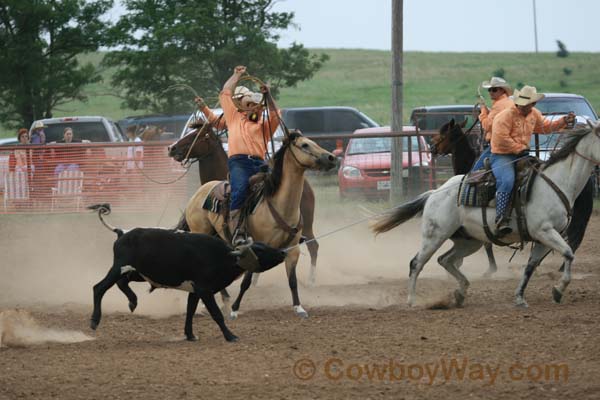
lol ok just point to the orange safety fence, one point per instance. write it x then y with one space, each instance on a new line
68 177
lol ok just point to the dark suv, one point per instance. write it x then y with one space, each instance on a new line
315 121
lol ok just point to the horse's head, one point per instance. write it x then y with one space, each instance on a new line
308 154
198 143
445 141
149 133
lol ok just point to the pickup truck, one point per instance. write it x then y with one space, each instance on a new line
93 129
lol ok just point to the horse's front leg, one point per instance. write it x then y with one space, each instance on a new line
290 268
552 239
538 253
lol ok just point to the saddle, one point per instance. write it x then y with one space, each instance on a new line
478 189
219 198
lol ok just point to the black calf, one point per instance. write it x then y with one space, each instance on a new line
199 264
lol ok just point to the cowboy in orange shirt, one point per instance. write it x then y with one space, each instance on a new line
499 91
249 133
511 132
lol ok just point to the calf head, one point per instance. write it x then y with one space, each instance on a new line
258 257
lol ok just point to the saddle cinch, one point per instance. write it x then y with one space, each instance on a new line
218 200
478 189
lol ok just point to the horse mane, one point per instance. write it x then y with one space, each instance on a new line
572 140
273 179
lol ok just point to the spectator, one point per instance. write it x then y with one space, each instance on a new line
135 154
20 160
38 136
68 159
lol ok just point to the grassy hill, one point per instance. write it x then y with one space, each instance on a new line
362 79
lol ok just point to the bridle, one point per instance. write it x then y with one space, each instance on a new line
293 143
588 158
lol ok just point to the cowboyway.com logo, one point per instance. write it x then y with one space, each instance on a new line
442 370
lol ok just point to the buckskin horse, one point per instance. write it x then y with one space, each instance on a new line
279 205
451 139
206 148
552 195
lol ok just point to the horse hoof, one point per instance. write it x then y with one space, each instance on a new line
233 315
232 339
521 304
191 338
132 306
93 325
459 298
556 295
488 274
301 312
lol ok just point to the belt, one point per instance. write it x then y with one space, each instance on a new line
238 156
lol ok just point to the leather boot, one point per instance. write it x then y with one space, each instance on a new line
238 235
502 214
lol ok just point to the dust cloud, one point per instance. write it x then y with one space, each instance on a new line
53 261
19 329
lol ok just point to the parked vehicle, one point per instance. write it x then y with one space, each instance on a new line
94 129
365 167
315 121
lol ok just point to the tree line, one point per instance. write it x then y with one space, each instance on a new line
156 47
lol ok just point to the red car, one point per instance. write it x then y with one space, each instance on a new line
365 168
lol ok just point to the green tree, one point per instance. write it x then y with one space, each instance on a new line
163 43
39 42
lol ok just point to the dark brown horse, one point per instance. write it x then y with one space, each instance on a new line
208 150
452 140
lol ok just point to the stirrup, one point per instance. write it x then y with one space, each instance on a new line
240 238
503 227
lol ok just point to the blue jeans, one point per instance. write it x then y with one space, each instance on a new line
241 168
487 152
503 169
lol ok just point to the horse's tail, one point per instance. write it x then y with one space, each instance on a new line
104 209
182 225
400 214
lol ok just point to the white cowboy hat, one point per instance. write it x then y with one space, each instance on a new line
497 82
39 125
526 96
245 95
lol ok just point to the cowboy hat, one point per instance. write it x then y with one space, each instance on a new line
245 95
497 82
39 125
527 95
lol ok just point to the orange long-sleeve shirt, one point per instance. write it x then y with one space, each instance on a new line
487 116
245 136
512 131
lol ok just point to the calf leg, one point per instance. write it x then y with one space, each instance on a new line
243 287
211 305
192 304
112 277
123 285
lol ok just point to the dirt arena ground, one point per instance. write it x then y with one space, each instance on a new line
361 340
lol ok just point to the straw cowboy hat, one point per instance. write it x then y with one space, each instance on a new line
497 82
39 125
244 96
526 96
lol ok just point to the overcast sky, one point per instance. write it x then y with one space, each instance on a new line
443 25
446 25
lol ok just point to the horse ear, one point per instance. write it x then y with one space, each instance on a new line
464 123
451 123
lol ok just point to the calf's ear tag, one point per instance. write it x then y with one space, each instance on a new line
248 259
